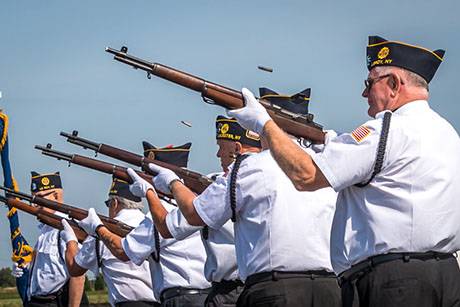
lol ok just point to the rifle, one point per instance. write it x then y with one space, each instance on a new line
45 217
295 124
116 171
195 181
113 225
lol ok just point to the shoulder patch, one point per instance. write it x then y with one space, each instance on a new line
360 133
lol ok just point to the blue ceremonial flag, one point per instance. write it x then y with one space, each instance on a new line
22 251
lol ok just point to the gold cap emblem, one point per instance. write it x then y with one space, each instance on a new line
383 53
224 128
45 181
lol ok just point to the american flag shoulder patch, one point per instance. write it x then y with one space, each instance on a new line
360 133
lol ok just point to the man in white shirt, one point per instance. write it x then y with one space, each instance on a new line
281 235
396 225
221 266
128 284
177 267
50 283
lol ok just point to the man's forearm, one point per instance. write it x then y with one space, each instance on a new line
71 251
295 163
76 288
184 198
159 214
113 243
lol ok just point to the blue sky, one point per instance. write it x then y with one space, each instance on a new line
55 75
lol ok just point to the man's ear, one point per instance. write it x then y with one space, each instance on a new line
394 82
114 204
238 147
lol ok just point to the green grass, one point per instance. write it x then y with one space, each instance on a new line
9 297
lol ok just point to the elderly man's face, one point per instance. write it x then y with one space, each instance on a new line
226 153
53 194
377 92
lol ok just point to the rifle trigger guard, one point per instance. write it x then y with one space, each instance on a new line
149 76
70 163
304 143
207 100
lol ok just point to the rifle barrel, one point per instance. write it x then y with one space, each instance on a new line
47 151
296 124
197 182
75 139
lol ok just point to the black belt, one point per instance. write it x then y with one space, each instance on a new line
364 267
176 291
277 275
136 303
51 297
227 284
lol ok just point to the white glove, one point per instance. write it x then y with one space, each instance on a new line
163 178
16 270
139 187
253 116
90 223
67 234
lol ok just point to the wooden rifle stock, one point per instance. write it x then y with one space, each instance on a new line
119 228
45 217
195 181
295 124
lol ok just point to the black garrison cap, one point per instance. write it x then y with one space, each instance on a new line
424 62
120 188
229 129
297 103
169 154
45 182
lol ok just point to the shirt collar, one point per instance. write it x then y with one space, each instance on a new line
127 214
408 108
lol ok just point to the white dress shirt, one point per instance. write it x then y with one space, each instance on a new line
181 262
220 245
125 281
277 227
412 204
49 271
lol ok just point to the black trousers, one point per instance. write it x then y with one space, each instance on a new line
292 292
137 304
189 300
416 282
224 294
58 299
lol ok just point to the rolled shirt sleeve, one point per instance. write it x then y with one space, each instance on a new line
211 205
139 244
178 225
86 256
349 158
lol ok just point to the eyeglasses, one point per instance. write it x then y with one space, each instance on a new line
368 83
108 202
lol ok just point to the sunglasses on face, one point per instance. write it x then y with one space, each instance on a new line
368 83
108 202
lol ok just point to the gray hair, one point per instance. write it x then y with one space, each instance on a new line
127 203
412 78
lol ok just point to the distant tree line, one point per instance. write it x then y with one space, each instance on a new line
6 279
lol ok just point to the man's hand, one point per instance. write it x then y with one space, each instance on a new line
16 270
253 116
67 234
163 178
139 187
90 223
